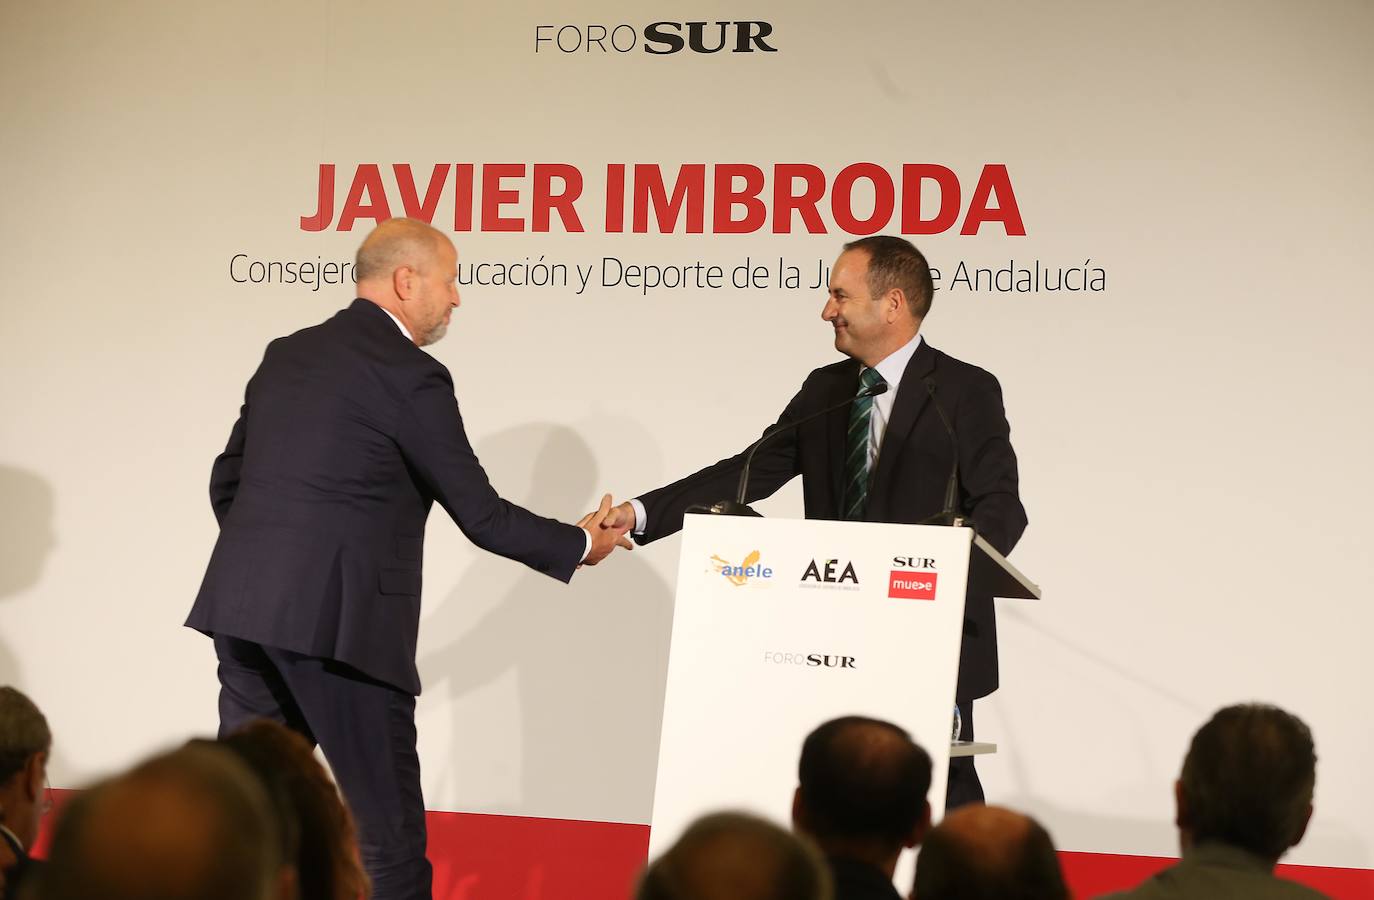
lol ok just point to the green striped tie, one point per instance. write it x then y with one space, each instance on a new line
856 448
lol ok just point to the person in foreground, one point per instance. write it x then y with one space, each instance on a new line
988 853
193 824
734 856
25 743
885 458
319 833
861 796
1244 798
348 434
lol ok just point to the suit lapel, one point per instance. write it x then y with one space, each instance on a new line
912 397
845 383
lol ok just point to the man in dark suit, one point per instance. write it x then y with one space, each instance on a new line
861 796
884 459
25 745
1243 800
347 435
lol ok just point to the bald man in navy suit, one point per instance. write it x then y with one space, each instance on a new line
349 432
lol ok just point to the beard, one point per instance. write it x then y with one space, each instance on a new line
434 334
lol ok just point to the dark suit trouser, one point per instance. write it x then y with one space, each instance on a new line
964 787
367 731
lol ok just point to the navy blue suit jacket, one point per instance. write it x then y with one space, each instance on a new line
906 486
348 433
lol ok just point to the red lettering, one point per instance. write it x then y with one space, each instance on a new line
494 196
913 176
994 180
324 203
367 180
649 190
546 201
726 198
615 198
462 197
842 198
785 201
415 209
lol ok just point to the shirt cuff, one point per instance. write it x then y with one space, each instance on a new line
585 553
641 517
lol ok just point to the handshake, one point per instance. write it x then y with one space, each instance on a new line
608 526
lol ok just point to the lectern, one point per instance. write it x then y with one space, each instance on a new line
781 624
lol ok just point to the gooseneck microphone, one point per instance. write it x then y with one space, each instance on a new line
738 507
951 514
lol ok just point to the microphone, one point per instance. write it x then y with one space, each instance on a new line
738 507
950 515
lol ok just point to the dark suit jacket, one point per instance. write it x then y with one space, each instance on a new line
908 482
16 867
859 881
348 433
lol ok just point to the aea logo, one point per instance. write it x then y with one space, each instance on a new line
829 573
913 579
743 573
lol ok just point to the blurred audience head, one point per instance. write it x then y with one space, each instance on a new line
25 742
1247 781
861 791
320 839
988 853
194 824
733 856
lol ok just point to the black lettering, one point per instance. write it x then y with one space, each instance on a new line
696 33
658 33
747 34
811 572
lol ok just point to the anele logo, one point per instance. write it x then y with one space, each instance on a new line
657 38
828 573
744 572
911 585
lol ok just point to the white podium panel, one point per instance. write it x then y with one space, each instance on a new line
780 625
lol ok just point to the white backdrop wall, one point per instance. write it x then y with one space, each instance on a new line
1194 437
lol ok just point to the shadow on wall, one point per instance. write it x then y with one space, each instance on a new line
1333 840
589 660
26 541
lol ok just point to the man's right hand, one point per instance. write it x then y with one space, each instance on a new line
621 518
605 527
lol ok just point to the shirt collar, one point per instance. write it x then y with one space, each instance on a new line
892 367
404 330
13 838
1214 853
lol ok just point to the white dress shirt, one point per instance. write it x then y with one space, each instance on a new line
891 369
406 331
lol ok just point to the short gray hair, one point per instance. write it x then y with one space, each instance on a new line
396 243
23 732
740 857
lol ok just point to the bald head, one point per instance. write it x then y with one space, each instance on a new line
396 243
410 269
732 856
988 853
189 825
862 781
